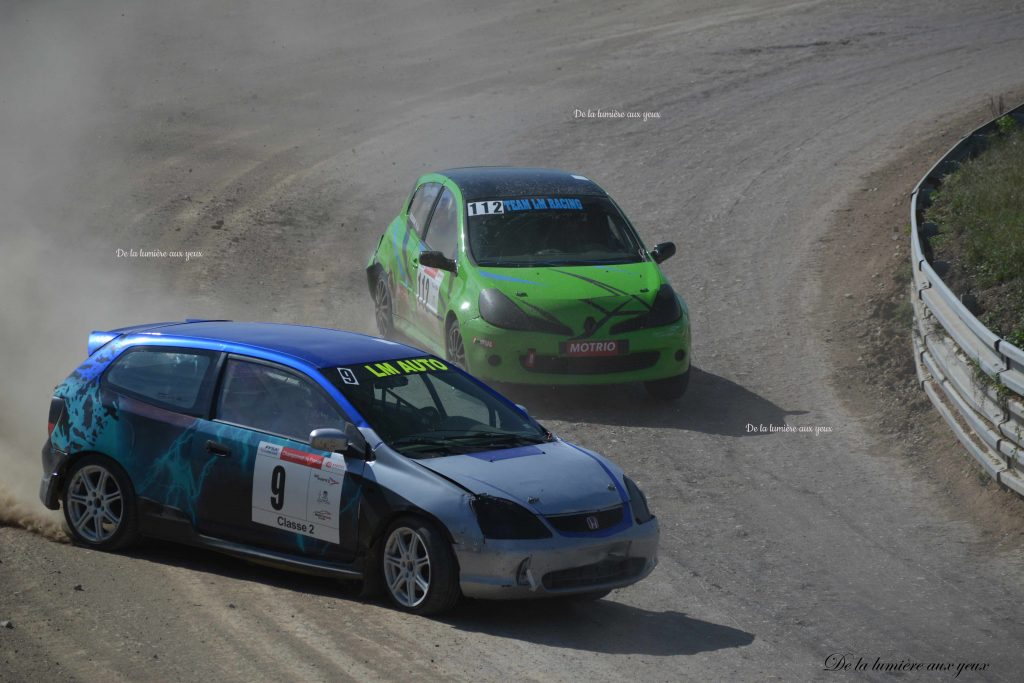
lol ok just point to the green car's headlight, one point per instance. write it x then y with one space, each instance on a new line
502 519
500 311
664 311
638 501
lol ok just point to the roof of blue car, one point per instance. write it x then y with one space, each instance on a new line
317 346
482 182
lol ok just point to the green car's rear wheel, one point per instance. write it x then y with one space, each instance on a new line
383 307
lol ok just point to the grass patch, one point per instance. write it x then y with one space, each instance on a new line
980 214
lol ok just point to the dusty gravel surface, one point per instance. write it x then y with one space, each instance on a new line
279 143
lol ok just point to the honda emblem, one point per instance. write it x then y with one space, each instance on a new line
592 523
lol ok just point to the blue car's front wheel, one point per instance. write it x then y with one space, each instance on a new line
419 568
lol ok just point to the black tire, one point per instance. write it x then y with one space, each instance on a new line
412 585
99 503
670 388
454 346
383 305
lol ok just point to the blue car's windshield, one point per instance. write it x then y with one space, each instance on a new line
550 231
424 408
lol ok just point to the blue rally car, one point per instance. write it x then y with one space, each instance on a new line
335 454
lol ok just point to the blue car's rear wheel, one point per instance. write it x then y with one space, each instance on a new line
99 504
418 567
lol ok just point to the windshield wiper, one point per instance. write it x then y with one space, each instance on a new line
440 445
456 443
501 438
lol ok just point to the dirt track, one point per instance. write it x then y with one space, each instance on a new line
279 143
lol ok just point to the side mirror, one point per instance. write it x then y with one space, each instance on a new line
663 251
331 440
349 443
435 259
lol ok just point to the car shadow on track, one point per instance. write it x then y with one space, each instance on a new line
206 561
712 405
602 626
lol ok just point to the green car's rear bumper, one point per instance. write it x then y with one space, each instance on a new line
501 355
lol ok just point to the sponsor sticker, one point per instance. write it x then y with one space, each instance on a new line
588 348
485 208
297 491
428 287
543 204
405 366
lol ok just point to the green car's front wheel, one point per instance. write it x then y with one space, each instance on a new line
454 347
670 388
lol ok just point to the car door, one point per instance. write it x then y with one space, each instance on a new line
432 284
155 396
265 485
410 245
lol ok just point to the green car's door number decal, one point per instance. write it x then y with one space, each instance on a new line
296 491
485 208
428 287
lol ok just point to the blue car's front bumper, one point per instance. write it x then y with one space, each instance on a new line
499 570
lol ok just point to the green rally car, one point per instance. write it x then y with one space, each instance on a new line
530 276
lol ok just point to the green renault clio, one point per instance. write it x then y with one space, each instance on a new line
530 276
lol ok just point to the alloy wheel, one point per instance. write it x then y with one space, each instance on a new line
96 503
407 567
382 306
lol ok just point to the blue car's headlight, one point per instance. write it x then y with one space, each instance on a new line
638 501
665 310
502 519
500 311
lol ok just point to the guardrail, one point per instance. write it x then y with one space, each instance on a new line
974 378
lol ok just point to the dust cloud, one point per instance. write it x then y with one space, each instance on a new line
55 284
87 108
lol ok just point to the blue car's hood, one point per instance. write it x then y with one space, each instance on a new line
564 478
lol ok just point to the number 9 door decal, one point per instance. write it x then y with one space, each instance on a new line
277 478
292 488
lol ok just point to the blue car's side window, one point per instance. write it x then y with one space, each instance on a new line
274 400
177 379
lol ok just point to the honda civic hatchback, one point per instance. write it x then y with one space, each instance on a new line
335 454
530 276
